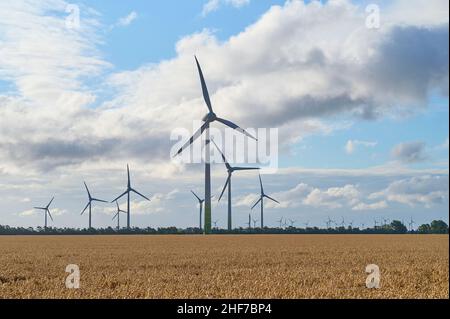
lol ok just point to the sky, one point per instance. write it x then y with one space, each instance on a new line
361 107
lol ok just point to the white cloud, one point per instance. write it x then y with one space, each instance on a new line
214 5
352 145
127 20
372 206
423 190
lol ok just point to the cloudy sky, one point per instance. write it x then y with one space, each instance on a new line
362 111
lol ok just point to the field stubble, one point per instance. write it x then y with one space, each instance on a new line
278 266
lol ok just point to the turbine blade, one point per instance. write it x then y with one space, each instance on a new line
272 199
223 156
235 127
135 191
225 187
50 202
85 208
260 183
40 208
120 196
196 196
115 216
48 211
245 168
87 189
204 87
256 203
128 174
193 138
99 200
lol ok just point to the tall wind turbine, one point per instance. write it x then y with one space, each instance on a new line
128 192
89 204
46 211
208 119
117 215
200 201
230 170
261 199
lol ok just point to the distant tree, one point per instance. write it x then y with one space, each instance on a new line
439 227
398 227
424 229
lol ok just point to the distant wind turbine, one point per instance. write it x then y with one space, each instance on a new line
306 224
89 204
230 170
128 192
208 119
200 201
261 199
254 223
411 224
117 215
280 222
46 211
292 222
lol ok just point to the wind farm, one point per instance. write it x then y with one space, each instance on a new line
218 149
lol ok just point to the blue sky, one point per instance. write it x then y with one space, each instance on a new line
362 114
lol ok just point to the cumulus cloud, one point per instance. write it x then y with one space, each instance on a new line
411 152
214 5
352 145
423 190
341 65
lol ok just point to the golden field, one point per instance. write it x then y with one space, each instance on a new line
266 266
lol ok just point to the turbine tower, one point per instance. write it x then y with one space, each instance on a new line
261 199
128 192
208 119
249 221
46 211
200 201
230 170
89 204
117 215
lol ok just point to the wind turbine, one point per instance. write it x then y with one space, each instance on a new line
230 170
261 199
306 224
411 224
249 221
128 192
343 222
329 222
375 223
280 221
89 204
254 223
117 215
292 222
200 201
215 223
47 211
350 224
208 119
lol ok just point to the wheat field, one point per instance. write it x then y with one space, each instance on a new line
272 266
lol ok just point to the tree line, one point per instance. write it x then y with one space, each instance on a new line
395 227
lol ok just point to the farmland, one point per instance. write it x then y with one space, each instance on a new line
266 266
